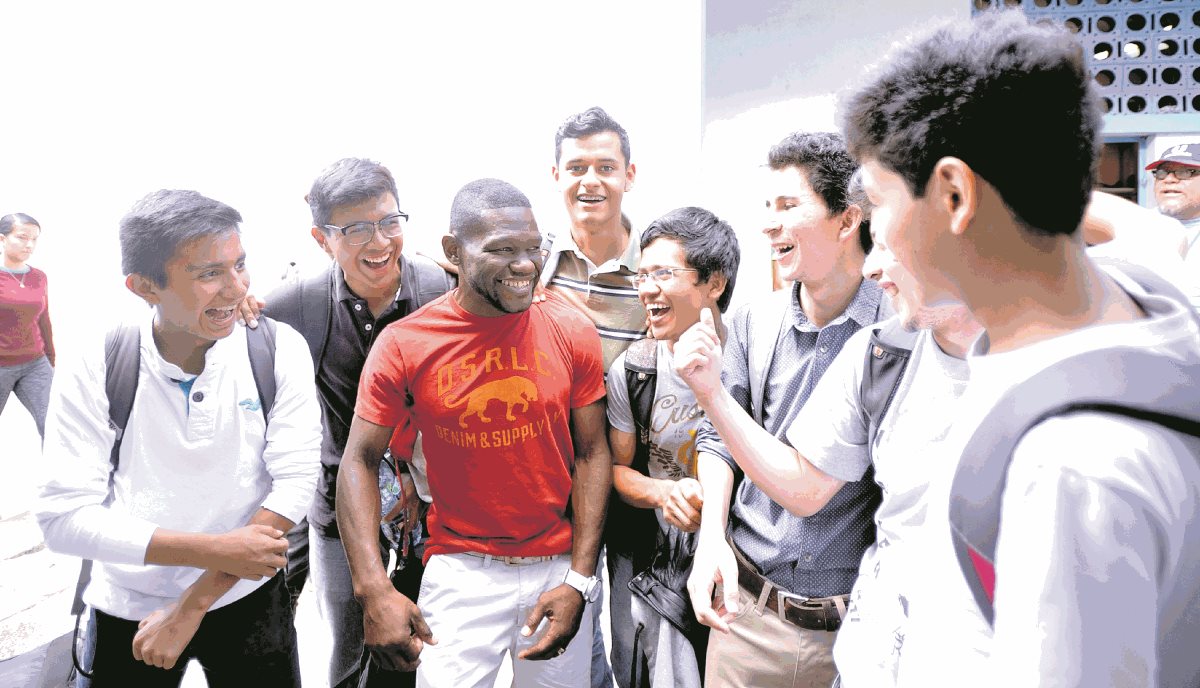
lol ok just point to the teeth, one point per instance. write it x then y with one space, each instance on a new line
780 251
657 307
377 261
591 198
518 284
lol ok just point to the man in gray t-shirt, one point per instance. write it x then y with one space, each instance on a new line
688 263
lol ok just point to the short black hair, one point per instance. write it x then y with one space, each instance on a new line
9 221
826 164
966 90
591 121
154 229
709 244
856 194
466 211
348 181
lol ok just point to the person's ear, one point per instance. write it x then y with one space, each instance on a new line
143 287
851 219
554 172
954 186
453 250
322 240
630 173
717 282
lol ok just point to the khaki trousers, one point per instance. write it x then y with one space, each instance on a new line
763 651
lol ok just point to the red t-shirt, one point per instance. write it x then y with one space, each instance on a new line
25 333
492 398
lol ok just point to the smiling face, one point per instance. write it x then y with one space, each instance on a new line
18 244
593 176
802 232
372 269
917 241
206 281
1177 198
675 304
500 262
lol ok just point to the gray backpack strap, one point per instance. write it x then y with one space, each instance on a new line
426 279
887 357
765 325
630 532
641 377
1068 386
260 344
122 365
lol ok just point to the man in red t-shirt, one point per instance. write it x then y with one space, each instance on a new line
509 398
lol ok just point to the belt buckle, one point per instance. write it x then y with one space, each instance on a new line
782 597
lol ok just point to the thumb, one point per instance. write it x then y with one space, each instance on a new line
706 317
729 587
534 618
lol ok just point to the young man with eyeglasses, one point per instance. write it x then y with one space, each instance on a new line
509 397
1177 191
370 283
689 261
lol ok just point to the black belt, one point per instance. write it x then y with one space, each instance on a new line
813 613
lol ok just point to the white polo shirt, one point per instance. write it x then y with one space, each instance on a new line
203 460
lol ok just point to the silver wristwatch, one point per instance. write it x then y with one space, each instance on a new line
588 586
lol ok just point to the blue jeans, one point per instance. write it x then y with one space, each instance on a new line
249 642
31 383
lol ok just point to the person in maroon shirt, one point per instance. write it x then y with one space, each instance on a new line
26 341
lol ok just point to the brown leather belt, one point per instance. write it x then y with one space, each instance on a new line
512 561
813 613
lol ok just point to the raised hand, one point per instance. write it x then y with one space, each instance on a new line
698 358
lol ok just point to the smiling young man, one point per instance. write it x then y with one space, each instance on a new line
835 439
689 263
1080 538
776 351
509 397
340 311
189 537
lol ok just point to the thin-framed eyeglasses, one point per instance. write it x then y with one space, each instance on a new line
661 275
359 233
1181 173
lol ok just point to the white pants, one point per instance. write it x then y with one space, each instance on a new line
476 608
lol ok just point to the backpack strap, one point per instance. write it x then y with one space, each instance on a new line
641 376
1068 386
630 532
260 344
427 280
765 325
122 365
887 357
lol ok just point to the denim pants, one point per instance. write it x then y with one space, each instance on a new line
31 383
249 642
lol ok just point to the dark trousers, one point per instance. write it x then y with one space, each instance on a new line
407 580
249 642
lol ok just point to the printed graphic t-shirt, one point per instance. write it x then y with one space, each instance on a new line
674 419
492 398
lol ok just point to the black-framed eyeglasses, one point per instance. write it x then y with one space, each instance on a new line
661 275
1181 173
359 233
